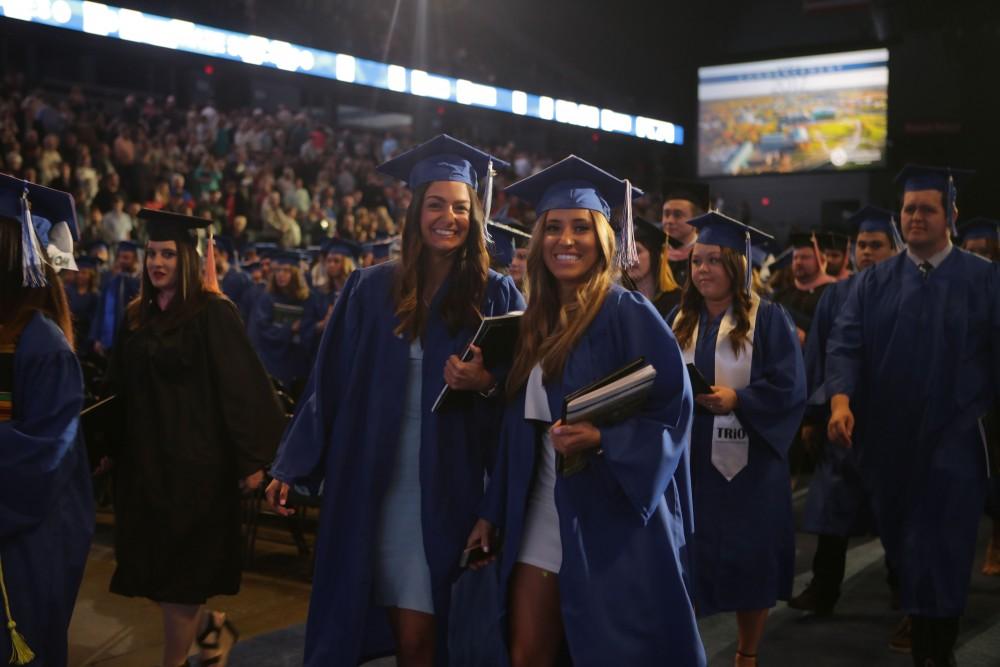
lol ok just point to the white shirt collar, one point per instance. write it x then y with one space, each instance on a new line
935 259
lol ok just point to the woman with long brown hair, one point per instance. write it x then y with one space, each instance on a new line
199 420
46 500
747 352
275 326
402 482
593 552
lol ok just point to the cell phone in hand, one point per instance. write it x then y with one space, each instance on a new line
699 385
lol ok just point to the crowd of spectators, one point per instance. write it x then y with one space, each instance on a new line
284 177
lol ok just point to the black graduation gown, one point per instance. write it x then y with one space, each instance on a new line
801 304
197 413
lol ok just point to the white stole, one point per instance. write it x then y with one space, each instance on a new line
730 441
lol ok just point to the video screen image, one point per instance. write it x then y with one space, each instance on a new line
824 112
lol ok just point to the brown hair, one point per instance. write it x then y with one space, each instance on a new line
734 264
460 306
188 299
297 290
549 329
20 302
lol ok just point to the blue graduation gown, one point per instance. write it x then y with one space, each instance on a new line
920 360
248 301
46 501
234 284
115 296
346 430
85 309
316 308
622 585
837 503
744 546
280 349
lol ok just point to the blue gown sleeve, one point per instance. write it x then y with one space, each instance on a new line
313 314
642 453
771 406
303 447
845 346
815 352
48 396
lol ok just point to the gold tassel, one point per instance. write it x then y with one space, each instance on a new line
21 653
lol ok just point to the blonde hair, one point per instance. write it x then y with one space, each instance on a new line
550 329
297 288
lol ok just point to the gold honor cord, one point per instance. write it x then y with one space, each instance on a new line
21 653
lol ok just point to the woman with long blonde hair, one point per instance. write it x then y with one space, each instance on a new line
745 348
337 262
402 481
593 552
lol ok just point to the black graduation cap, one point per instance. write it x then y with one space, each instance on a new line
692 191
650 235
979 228
801 239
832 240
166 226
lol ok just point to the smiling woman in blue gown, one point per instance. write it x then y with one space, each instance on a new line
596 556
402 483
744 347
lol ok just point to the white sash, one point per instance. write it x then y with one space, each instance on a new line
730 441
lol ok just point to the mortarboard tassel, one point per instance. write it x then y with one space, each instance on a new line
211 274
21 653
488 201
952 195
897 239
628 255
749 272
31 251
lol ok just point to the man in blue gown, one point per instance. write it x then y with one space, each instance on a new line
913 363
121 287
234 282
837 506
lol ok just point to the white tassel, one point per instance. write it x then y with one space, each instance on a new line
628 254
488 201
32 260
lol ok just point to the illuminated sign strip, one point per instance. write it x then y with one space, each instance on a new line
130 25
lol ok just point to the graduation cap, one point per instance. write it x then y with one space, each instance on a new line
265 250
445 158
874 219
650 235
250 266
286 258
575 183
802 240
692 191
980 228
714 228
126 246
167 226
342 247
758 256
830 240
783 260
507 235
87 262
379 249
915 177
48 226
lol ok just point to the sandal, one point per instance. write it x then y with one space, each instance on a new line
206 644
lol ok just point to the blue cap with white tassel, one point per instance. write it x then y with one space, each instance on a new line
574 183
48 226
714 228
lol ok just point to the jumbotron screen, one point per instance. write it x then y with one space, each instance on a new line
822 112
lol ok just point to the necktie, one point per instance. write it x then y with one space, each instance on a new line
925 269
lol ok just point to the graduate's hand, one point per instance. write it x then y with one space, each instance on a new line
481 537
277 495
802 336
721 401
468 375
252 482
568 439
841 426
296 325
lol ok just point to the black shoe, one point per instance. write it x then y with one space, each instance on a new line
811 600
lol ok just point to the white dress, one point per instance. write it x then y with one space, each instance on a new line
541 545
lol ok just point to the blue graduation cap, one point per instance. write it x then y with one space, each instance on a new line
875 219
250 266
48 226
783 260
342 247
714 228
286 258
575 183
379 249
265 250
915 177
758 256
87 262
979 228
506 238
127 246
